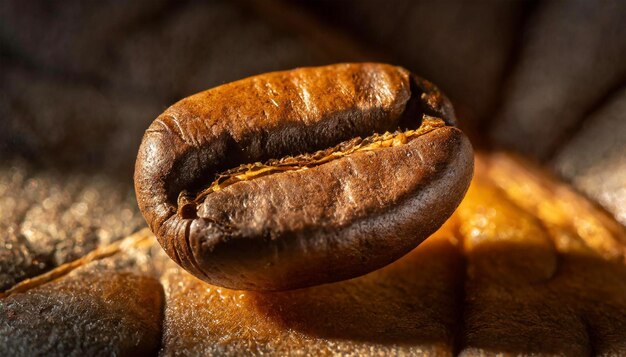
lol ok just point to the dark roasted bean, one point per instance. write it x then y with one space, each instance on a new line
303 177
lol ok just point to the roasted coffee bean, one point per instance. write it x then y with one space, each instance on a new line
303 177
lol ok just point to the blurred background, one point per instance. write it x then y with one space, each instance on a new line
82 80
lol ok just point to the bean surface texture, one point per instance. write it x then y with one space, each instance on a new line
297 178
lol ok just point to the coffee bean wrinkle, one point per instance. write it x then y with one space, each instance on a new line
282 180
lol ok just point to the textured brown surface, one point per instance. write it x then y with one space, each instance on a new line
553 282
300 228
65 72
391 311
49 218
525 267
110 306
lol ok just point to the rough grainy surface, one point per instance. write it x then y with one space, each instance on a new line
525 266
50 218
301 228
595 158
107 307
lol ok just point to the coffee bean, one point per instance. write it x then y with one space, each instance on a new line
303 177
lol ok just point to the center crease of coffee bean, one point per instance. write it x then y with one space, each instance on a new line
187 204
